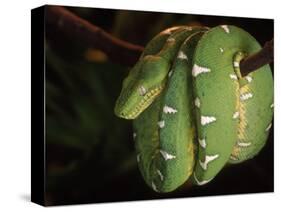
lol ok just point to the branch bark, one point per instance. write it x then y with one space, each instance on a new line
90 35
257 60
124 52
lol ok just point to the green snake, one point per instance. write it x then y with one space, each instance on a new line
192 110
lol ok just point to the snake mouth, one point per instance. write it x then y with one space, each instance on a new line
146 100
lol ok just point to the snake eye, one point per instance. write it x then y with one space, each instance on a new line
142 90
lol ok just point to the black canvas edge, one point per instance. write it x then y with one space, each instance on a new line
38 105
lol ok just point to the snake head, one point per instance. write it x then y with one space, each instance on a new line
144 83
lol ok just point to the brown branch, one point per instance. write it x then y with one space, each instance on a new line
257 60
90 35
124 52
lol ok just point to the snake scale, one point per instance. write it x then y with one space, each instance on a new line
192 110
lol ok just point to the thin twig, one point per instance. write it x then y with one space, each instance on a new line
257 60
90 35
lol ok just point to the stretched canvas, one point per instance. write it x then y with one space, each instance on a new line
135 105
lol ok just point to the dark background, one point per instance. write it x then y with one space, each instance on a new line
89 151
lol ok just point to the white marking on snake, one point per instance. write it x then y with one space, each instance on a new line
172 40
243 144
249 78
225 28
160 174
153 186
233 157
166 155
201 182
246 96
169 30
197 102
196 70
161 124
233 76
138 158
272 105
236 64
235 115
202 142
268 127
182 55
134 135
207 120
167 109
208 159
142 90
170 73
221 49
188 28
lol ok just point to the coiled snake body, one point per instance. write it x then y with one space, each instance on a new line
192 110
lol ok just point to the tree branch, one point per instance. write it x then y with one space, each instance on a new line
124 52
257 60
90 35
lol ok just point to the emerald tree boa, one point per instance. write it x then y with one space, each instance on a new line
192 110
